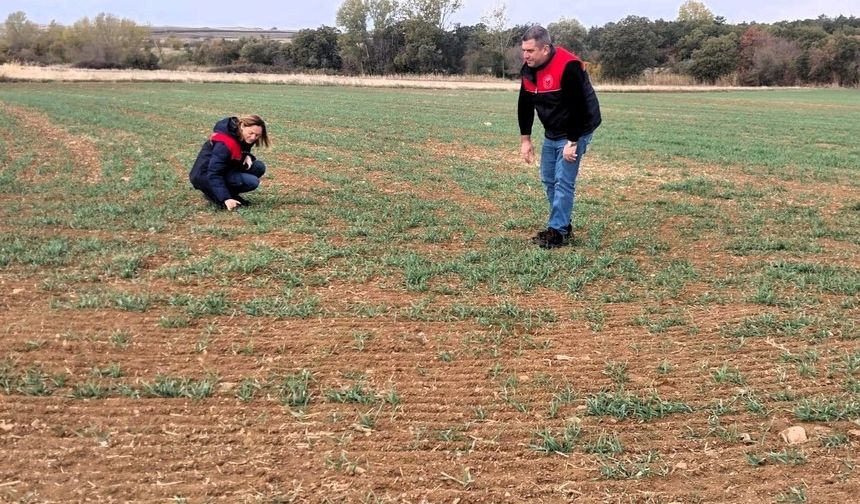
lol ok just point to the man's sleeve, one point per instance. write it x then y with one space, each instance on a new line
573 95
525 111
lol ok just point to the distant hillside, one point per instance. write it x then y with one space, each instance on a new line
235 33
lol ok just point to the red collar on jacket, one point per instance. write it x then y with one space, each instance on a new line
547 77
230 142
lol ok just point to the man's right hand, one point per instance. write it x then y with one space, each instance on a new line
231 204
527 150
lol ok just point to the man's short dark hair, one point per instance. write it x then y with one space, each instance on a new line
539 34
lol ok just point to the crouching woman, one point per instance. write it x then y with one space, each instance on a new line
225 167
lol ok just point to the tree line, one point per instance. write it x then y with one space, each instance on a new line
379 37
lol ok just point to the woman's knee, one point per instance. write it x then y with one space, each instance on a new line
251 182
258 168
243 182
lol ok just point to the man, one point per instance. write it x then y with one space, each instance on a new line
556 85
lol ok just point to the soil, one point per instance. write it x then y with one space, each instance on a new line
454 436
79 148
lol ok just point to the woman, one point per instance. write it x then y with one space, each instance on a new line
225 167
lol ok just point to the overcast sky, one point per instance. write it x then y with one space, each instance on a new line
296 14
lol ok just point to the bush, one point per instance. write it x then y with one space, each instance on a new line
248 68
142 60
97 64
717 57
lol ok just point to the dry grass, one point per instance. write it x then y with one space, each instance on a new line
14 71
19 72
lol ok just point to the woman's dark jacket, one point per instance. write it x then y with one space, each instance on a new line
218 156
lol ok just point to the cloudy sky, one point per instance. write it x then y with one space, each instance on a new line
295 14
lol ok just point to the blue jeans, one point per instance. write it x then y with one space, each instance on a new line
242 181
559 178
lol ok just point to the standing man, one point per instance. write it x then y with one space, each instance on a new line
556 84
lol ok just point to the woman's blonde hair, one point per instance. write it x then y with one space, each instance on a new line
255 120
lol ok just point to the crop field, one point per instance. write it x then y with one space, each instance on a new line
377 326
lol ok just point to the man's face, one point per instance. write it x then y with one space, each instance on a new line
533 54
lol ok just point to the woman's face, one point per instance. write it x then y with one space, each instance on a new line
250 134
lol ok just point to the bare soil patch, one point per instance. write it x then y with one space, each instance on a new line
78 150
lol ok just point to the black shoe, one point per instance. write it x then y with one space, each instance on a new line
552 239
242 200
540 236
214 202
566 232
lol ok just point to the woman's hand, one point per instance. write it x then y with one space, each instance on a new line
231 204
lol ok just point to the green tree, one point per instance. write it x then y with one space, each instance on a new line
455 44
352 16
627 48
434 12
50 44
592 40
805 35
383 13
262 51
217 52
847 56
498 32
668 33
423 49
19 37
479 57
365 43
317 48
716 58
568 33
695 35
386 42
353 43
